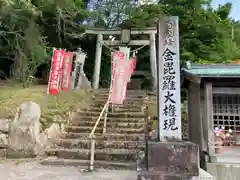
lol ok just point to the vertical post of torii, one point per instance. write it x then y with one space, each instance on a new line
97 65
153 60
151 32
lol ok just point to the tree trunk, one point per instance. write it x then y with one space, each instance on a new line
19 69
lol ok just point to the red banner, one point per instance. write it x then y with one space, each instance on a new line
66 71
56 72
133 64
132 67
120 78
116 56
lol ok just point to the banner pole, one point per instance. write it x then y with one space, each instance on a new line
112 63
49 76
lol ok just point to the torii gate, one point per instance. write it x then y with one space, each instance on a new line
125 35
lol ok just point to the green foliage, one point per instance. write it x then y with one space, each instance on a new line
28 27
110 14
206 35
144 16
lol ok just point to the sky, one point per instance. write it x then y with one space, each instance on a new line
236 7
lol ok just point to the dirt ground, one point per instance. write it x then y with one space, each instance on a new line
34 171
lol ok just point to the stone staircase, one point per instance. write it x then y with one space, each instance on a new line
116 148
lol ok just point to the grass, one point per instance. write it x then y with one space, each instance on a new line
12 95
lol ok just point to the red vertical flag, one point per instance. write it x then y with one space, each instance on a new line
116 56
132 67
66 69
133 64
120 78
55 72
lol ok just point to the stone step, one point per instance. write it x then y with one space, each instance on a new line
115 106
82 129
133 97
127 99
110 124
109 119
88 129
100 144
106 136
112 114
125 102
54 161
104 98
119 155
72 135
126 130
128 92
117 109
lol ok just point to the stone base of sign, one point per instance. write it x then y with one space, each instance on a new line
203 175
169 161
157 176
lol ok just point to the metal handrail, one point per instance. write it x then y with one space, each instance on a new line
99 118
92 135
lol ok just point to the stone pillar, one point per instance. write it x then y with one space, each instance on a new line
97 66
153 60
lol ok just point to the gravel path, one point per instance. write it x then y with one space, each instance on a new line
35 171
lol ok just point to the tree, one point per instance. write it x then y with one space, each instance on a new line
110 13
30 29
27 27
205 34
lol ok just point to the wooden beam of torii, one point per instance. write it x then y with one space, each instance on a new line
125 34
